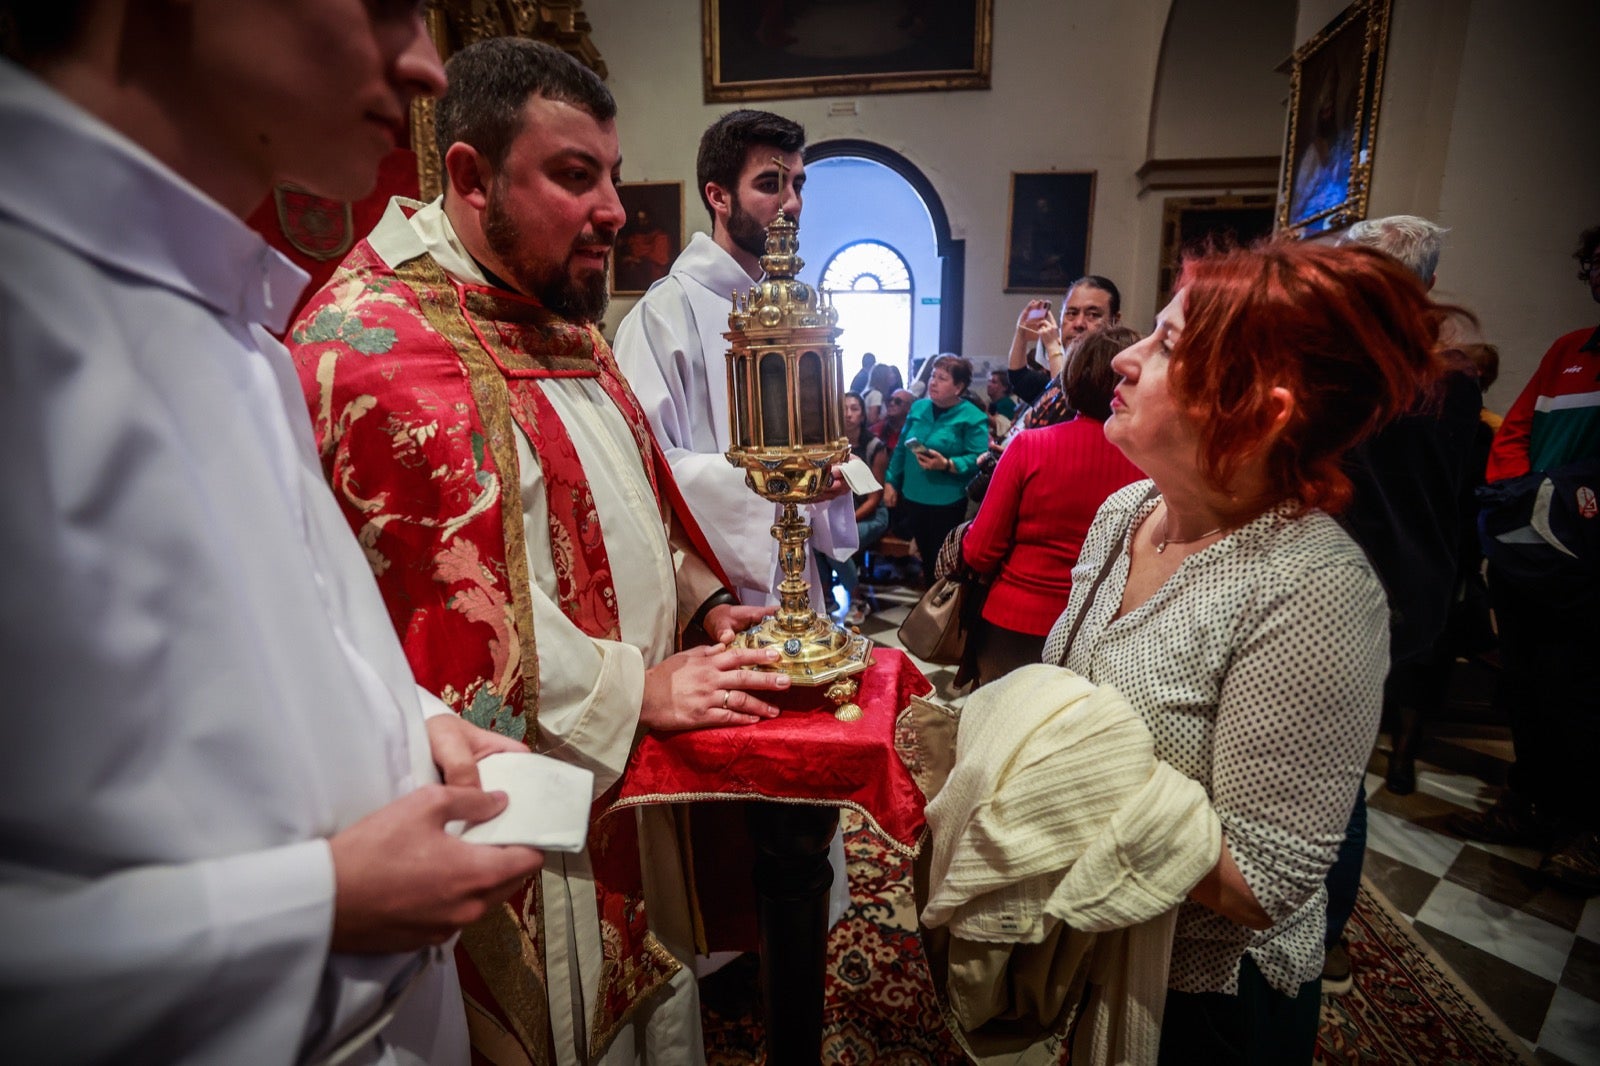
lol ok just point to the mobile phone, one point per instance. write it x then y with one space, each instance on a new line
1036 314
916 445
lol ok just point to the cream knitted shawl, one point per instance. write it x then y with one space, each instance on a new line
1057 811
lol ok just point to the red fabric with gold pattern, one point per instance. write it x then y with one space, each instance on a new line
508 321
803 754
415 405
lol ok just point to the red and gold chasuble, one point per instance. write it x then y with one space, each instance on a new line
418 385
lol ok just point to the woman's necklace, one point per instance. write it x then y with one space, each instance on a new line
1165 541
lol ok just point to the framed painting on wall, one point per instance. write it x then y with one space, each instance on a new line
454 24
759 50
1191 224
1047 229
1335 83
651 238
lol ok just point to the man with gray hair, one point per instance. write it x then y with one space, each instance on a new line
1413 240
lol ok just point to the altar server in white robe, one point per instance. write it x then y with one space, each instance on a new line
222 839
671 349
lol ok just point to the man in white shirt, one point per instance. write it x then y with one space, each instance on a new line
221 833
671 349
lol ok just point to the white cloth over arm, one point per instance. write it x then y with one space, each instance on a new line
671 349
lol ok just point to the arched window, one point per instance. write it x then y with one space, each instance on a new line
870 285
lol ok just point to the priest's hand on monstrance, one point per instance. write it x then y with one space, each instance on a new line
727 620
710 686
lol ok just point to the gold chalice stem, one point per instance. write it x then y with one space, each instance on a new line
794 591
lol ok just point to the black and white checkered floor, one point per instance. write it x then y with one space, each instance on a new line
1530 951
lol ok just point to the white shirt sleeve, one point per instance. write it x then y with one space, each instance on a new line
660 352
131 947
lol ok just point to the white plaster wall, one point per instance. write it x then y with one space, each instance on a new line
1071 90
1217 95
1522 177
1485 124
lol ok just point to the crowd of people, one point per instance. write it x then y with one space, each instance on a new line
290 594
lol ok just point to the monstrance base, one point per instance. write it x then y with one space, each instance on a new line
817 655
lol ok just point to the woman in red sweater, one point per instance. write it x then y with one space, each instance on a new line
1046 489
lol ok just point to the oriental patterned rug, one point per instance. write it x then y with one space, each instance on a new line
1406 1008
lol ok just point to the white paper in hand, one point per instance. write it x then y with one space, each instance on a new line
549 802
858 475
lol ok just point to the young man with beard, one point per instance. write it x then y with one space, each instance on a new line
672 350
224 836
534 552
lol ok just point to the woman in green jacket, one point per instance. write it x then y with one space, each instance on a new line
936 457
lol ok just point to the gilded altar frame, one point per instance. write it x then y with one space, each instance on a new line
758 51
454 24
1335 85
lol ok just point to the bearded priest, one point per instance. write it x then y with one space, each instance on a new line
536 557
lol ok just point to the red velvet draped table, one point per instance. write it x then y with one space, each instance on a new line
788 777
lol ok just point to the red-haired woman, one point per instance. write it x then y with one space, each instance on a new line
1239 619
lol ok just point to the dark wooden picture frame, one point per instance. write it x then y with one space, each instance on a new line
754 50
651 238
1335 84
1195 223
1047 229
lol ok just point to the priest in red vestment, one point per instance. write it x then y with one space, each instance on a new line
532 548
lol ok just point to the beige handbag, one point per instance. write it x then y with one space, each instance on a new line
936 629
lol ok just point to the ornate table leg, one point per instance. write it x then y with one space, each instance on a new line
792 876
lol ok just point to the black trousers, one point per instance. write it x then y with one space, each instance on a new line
930 524
1258 1027
1551 655
997 650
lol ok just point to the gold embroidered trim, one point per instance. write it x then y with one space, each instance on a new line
666 965
492 309
492 396
501 952
909 851
490 1039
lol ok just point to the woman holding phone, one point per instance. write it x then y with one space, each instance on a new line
937 456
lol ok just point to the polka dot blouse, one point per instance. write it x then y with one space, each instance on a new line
1259 670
